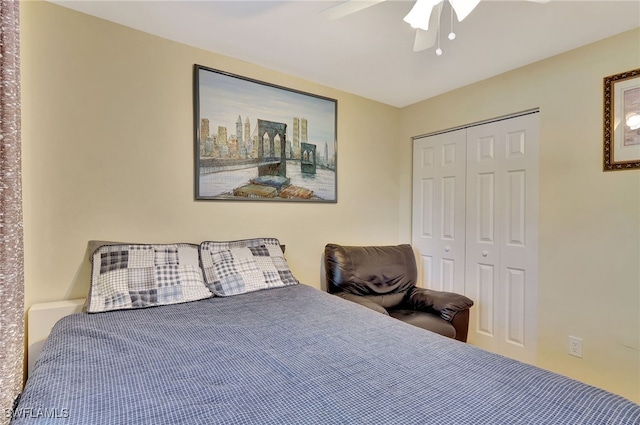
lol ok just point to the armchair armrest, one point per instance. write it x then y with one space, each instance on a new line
447 304
358 299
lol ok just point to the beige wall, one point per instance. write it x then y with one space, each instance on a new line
589 229
107 154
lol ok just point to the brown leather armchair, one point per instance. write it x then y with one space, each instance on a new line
383 278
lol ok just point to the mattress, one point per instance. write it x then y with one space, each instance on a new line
291 355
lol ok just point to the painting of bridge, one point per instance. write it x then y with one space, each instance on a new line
260 142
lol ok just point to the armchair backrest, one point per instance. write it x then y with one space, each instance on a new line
370 270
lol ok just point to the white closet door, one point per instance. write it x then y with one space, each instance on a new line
501 237
475 225
439 209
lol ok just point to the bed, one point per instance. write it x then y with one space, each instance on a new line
289 354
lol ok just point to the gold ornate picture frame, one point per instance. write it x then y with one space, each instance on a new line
622 121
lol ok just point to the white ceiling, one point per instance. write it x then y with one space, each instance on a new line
370 53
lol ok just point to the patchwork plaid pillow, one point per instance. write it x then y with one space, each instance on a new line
236 267
126 276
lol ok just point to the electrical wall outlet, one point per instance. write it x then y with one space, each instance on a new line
575 346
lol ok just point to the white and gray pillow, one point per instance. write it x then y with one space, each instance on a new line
241 266
129 276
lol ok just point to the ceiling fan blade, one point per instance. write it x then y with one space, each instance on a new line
347 8
420 14
463 7
426 39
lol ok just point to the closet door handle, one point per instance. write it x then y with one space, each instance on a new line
447 249
485 253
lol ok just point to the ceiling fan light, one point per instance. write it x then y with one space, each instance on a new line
463 7
420 14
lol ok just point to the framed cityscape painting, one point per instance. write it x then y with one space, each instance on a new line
261 142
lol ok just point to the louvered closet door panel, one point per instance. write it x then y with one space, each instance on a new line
438 209
501 241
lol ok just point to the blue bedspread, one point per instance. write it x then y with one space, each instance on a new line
291 355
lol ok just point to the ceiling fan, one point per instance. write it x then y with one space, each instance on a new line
421 17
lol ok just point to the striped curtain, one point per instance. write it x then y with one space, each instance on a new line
11 237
